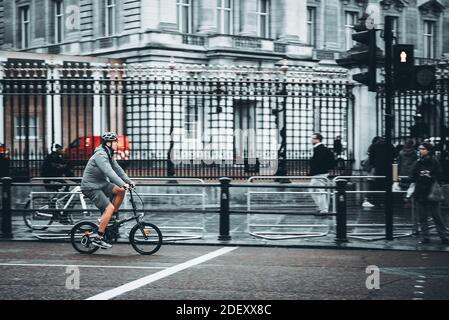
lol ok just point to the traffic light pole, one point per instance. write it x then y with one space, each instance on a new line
389 90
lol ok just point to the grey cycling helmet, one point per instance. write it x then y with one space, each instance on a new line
108 136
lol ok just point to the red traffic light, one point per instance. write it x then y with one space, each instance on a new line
403 55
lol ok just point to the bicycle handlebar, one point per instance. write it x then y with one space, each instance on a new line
131 190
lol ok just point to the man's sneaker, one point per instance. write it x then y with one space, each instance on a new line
424 241
99 242
367 204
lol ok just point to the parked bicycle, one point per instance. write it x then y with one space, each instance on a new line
145 237
44 214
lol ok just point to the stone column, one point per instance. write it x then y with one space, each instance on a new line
97 119
167 15
293 25
149 14
248 19
332 24
2 107
207 16
54 72
365 121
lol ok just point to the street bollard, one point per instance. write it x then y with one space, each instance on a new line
341 211
224 209
6 208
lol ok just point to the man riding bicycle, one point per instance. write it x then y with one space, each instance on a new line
55 166
105 183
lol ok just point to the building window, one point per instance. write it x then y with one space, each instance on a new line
311 23
59 21
184 15
263 15
33 132
350 20
429 39
191 118
24 13
395 27
109 17
224 16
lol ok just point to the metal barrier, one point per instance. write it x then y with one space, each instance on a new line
200 230
62 203
224 210
202 195
270 235
373 236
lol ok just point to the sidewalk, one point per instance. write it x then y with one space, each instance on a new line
241 237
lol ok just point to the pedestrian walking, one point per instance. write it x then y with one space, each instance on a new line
321 163
368 167
406 161
381 157
426 175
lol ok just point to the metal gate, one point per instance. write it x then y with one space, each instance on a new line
181 121
422 115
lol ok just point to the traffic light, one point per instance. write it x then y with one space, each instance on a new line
366 58
403 67
424 78
407 76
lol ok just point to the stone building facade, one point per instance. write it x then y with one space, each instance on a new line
308 34
258 32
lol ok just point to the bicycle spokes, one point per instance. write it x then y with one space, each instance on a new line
81 237
145 238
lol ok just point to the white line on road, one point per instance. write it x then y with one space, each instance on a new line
159 275
74 265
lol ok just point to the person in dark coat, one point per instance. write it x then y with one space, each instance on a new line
369 170
406 161
425 173
338 146
321 163
381 157
55 166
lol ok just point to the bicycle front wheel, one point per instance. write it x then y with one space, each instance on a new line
82 235
40 218
145 238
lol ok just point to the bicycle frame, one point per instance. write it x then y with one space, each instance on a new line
72 193
136 216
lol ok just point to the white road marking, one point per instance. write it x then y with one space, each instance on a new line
75 265
159 275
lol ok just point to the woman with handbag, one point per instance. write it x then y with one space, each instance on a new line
426 175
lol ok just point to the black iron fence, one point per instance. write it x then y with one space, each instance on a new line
189 121
422 115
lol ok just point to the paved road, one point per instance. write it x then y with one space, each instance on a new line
32 270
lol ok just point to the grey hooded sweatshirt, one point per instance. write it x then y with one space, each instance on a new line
99 171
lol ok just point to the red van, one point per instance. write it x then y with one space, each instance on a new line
4 152
84 147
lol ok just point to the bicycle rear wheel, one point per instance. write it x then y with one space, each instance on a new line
81 236
40 218
145 238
